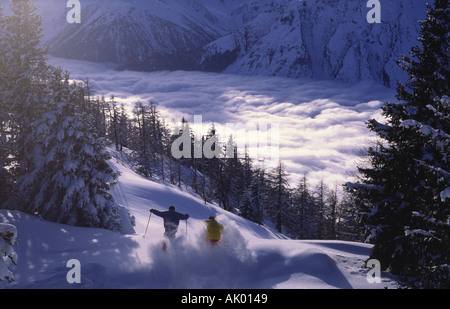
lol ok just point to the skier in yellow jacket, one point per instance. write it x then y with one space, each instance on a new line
213 230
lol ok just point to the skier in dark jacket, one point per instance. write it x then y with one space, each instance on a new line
171 220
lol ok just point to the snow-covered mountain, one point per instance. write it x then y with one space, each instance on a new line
138 35
309 38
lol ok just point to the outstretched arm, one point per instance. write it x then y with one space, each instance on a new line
156 212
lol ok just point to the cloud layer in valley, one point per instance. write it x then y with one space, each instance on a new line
322 124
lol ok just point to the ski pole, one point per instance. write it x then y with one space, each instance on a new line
186 226
148 223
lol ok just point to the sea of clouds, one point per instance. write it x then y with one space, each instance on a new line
322 124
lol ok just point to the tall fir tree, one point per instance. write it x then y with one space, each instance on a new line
25 72
279 207
330 214
60 169
71 178
253 199
300 197
306 210
22 76
405 192
234 174
320 209
147 139
347 219
123 128
5 177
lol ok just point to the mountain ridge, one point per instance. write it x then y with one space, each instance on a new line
299 39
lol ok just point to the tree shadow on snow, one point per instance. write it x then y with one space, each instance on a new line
44 248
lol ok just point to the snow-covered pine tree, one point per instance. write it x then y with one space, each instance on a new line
24 70
97 107
300 197
347 223
320 208
330 213
215 167
70 179
403 192
5 176
8 235
306 211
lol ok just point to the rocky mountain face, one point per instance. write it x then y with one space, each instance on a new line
136 35
323 39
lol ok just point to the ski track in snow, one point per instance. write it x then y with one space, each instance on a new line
249 255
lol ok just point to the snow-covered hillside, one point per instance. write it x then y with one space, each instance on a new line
309 38
249 256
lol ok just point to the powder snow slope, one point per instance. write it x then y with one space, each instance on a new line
249 256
